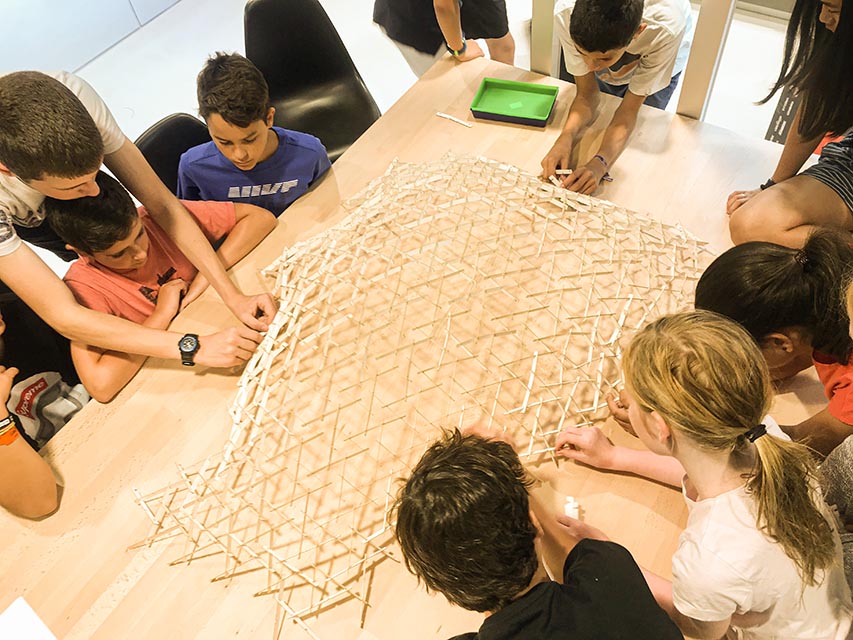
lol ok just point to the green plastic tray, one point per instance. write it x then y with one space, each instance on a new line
512 101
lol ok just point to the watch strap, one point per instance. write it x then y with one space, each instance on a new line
188 357
461 51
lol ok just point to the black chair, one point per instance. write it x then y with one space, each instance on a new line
314 85
163 143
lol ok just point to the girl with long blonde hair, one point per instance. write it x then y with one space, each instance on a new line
759 557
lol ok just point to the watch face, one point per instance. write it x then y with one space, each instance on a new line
188 344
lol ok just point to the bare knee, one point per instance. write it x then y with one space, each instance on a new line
502 49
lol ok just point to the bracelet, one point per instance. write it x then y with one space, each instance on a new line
461 51
6 423
606 177
8 430
770 182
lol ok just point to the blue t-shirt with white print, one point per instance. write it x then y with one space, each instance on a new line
205 174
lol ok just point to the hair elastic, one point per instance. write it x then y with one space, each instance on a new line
802 258
755 433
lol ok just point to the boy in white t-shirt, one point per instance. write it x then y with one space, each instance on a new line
55 131
626 48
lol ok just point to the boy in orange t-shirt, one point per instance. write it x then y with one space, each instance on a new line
129 267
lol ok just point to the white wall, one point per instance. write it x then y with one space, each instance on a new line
66 34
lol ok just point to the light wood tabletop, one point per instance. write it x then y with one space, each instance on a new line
75 568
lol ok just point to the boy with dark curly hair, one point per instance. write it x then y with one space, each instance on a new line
466 529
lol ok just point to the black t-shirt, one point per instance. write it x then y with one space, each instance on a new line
604 597
29 344
413 22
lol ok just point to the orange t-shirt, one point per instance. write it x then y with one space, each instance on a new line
837 382
133 295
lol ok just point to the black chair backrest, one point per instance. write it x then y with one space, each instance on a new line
294 44
163 143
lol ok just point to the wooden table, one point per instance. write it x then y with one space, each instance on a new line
74 568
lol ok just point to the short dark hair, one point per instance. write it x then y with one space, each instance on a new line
463 522
233 87
93 223
604 25
44 129
766 287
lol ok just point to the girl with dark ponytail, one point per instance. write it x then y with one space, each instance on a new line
791 301
818 65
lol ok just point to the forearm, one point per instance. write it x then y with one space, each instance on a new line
664 469
450 22
105 373
795 152
109 374
27 486
661 589
822 432
253 225
108 332
131 168
34 282
557 543
181 227
617 134
581 114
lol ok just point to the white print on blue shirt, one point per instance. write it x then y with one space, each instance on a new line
250 191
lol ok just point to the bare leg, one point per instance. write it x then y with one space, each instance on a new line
502 49
418 61
787 212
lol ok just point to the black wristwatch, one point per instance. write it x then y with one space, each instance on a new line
188 346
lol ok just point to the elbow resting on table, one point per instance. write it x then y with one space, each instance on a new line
103 373
102 386
39 506
103 393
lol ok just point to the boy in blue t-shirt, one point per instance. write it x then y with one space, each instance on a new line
249 161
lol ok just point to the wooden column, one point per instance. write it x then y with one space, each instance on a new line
697 82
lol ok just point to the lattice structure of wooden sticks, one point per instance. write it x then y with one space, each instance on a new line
459 291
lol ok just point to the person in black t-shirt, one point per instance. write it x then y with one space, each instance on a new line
466 529
424 30
47 391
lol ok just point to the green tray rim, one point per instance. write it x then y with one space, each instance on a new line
527 87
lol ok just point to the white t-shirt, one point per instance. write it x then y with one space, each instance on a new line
22 204
725 565
651 59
